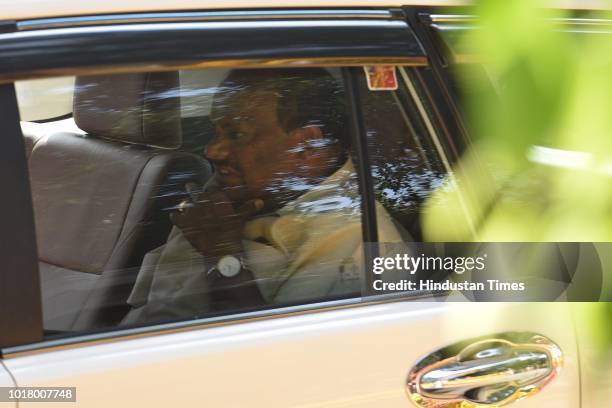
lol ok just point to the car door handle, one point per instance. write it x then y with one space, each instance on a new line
485 372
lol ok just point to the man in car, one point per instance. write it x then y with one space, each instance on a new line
280 222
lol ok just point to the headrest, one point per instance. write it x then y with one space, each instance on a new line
140 109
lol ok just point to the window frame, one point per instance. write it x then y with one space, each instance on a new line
151 46
20 300
331 42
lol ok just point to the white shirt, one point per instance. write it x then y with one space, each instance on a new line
312 249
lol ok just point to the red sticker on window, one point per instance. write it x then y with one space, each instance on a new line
381 77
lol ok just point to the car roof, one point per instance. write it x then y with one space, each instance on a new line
24 9
31 9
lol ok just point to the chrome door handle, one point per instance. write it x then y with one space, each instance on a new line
492 371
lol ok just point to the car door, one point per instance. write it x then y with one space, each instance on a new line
6 381
356 350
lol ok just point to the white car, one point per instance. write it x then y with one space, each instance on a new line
112 113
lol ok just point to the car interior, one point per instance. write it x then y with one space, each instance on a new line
127 145
126 158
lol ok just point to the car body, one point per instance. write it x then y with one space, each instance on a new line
354 351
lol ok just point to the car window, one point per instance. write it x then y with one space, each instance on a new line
45 99
171 196
407 167
404 163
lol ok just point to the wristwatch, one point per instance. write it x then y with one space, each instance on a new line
227 266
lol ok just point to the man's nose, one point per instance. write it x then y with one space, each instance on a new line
218 149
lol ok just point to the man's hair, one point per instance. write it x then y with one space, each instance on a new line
306 97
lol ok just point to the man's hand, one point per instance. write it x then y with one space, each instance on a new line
212 225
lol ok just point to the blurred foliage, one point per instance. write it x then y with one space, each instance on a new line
544 87
540 166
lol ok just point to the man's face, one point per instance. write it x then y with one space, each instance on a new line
254 156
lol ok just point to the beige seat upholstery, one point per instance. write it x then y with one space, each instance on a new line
32 133
101 195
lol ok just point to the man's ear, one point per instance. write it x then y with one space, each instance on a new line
316 156
301 136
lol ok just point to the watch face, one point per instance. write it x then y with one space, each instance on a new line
229 266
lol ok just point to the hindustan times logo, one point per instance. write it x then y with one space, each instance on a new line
414 264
